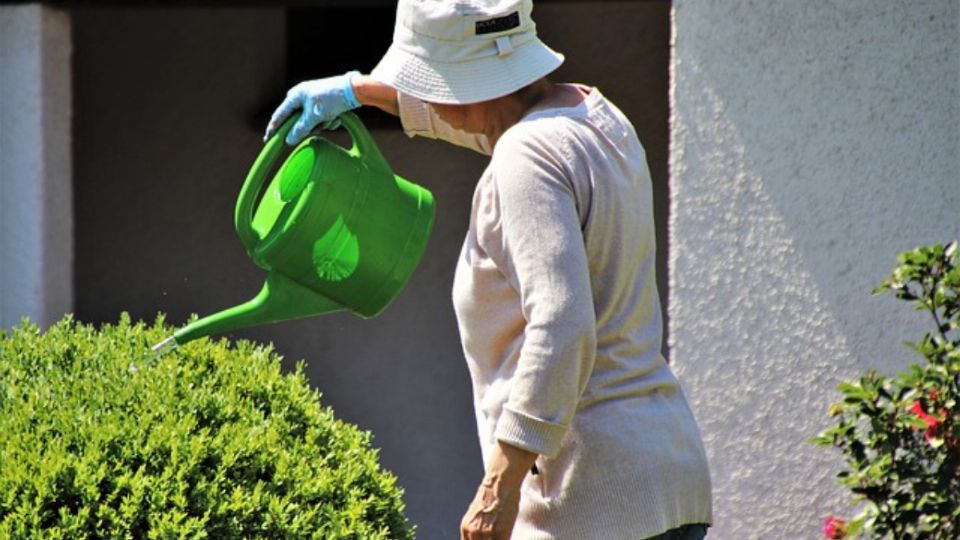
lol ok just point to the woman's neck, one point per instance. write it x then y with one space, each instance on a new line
506 111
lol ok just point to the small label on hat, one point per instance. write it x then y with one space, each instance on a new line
492 26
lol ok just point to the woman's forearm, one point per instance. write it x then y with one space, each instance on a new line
375 93
508 466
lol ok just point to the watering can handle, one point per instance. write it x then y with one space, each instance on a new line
243 214
363 144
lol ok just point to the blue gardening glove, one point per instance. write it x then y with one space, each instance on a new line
322 101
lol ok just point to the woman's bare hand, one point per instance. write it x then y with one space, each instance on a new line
491 514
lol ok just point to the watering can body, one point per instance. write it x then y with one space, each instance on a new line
335 229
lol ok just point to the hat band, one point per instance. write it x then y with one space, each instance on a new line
449 52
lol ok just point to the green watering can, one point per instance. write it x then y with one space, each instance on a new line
335 229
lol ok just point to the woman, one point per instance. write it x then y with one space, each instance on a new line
584 430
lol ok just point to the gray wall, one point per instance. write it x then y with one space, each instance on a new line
36 221
810 143
163 139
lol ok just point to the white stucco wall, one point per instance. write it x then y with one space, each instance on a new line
810 143
36 198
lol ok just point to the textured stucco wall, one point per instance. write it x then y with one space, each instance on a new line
36 221
810 143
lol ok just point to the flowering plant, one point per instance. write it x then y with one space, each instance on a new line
900 436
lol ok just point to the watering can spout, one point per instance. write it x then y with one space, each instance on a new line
280 299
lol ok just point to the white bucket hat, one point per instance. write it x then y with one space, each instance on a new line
464 51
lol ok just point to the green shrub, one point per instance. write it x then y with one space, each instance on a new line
901 436
99 440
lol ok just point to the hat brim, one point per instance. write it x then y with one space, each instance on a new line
466 82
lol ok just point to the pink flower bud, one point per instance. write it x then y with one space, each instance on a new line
835 527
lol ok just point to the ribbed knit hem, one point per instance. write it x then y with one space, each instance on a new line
622 508
529 433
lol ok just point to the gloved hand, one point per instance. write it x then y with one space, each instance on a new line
322 101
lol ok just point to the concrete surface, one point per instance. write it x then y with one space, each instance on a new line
166 107
810 143
36 203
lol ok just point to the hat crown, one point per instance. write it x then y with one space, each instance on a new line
460 20
464 51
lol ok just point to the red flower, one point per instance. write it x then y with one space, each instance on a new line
835 527
931 421
932 433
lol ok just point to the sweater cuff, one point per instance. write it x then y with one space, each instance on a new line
524 431
414 116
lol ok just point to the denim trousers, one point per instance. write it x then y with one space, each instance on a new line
687 532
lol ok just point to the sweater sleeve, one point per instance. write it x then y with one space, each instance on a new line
420 120
542 254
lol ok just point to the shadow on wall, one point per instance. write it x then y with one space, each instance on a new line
792 194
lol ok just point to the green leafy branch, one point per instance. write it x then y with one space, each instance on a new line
900 436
